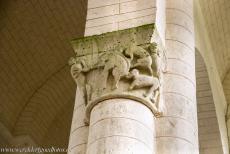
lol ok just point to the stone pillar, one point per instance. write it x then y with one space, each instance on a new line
107 16
121 126
119 82
79 130
177 129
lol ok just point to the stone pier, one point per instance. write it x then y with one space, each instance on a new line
136 63
118 79
177 130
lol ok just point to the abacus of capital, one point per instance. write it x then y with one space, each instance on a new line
119 84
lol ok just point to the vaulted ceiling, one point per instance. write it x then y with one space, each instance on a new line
36 89
217 19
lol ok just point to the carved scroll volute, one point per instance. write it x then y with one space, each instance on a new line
124 70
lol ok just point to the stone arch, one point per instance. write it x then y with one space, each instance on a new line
208 127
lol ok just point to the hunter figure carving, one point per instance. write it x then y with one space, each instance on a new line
143 58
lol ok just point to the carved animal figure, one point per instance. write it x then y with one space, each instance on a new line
115 63
77 69
143 57
77 66
141 81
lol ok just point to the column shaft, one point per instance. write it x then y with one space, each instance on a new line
177 130
79 130
121 126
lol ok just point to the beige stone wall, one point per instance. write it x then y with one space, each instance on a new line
112 15
203 44
161 19
209 133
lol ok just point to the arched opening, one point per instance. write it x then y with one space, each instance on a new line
208 128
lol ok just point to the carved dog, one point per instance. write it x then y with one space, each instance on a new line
141 81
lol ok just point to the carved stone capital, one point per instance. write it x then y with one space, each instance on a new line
121 64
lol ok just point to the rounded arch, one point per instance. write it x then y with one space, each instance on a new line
208 125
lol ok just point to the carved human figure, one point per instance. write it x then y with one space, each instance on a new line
156 60
141 81
144 59
159 66
159 60
117 64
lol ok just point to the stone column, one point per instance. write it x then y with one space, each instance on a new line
107 16
121 126
177 129
119 88
79 130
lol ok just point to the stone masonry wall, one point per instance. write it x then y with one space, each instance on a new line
112 15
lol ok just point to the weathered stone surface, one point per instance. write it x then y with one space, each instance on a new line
79 114
113 15
123 110
188 133
177 130
173 145
118 145
79 149
126 64
178 84
79 136
177 105
109 41
79 130
120 130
